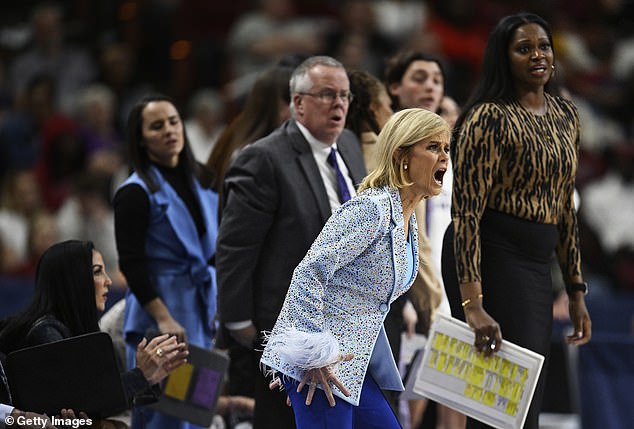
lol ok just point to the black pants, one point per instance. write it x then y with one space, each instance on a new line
516 284
271 411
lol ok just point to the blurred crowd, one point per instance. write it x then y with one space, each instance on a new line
71 70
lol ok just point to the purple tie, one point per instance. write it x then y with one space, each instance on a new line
342 186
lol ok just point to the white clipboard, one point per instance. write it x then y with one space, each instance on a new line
497 391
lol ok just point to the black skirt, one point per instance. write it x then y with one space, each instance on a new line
516 257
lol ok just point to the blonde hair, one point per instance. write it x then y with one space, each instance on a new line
403 130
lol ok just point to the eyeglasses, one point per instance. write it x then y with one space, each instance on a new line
330 96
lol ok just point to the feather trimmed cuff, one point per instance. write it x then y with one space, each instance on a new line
304 350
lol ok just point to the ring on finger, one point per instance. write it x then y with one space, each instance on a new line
159 352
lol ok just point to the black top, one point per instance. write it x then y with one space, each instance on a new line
132 218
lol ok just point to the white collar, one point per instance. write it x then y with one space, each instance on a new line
316 146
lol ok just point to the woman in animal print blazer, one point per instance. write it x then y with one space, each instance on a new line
514 161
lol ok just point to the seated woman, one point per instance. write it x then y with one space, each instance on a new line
71 287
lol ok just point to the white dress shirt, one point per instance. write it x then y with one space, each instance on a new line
321 151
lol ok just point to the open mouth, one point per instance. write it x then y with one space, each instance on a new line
438 175
538 69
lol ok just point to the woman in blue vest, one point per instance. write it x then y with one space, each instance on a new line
166 228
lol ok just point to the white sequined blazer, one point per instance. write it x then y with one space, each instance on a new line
341 292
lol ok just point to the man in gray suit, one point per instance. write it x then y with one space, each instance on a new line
278 194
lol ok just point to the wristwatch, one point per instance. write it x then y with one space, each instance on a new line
573 287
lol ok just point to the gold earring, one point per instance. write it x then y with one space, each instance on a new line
405 167
552 67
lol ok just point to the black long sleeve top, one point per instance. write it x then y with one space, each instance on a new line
132 220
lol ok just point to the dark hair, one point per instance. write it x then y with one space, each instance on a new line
139 159
366 89
259 117
397 66
496 81
64 289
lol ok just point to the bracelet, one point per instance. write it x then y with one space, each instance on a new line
468 300
573 287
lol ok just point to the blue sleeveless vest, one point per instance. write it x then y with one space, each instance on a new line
177 260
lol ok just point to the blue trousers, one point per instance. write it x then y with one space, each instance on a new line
373 412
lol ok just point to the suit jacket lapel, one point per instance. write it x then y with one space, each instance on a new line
350 151
399 242
309 167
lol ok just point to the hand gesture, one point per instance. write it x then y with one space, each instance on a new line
160 356
323 376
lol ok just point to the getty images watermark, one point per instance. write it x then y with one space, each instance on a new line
45 422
